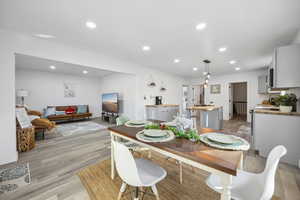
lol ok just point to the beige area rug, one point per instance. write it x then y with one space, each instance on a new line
75 128
14 177
96 179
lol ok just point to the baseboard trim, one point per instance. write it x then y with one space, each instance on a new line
11 159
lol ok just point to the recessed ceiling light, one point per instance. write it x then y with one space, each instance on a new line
232 62
237 68
195 68
91 25
176 60
85 71
146 48
201 26
52 67
222 49
44 36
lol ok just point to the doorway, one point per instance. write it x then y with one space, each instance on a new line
238 101
197 95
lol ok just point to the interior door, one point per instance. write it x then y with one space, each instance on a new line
230 111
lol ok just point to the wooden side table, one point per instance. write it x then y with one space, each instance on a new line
25 139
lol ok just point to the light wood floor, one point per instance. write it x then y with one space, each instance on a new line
55 161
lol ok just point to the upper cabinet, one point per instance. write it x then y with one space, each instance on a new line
284 71
263 84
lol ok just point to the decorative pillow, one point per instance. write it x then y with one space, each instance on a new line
60 112
33 117
70 110
82 109
50 111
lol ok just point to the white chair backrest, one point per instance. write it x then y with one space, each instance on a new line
125 165
270 171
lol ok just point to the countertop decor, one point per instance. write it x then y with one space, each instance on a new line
286 102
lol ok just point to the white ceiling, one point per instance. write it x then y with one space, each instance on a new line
250 29
40 64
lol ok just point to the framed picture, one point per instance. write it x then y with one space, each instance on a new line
69 90
215 89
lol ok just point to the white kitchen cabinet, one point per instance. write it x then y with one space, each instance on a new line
161 112
270 130
286 65
263 84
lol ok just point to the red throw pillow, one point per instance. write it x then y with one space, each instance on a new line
70 110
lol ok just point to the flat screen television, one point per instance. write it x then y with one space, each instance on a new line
110 102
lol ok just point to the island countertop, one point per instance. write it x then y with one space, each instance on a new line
275 112
205 108
163 105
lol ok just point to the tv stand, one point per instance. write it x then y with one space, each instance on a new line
109 117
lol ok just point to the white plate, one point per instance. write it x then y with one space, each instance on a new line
170 124
241 145
155 133
222 138
140 136
137 122
130 124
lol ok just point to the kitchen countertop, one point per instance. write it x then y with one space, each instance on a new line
275 112
163 105
205 108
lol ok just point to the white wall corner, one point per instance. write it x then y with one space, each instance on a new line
9 158
297 38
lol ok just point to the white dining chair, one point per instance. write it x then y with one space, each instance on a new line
134 147
250 186
136 172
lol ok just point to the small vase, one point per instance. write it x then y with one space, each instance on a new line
285 108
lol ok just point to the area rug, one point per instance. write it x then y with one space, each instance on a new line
75 128
14 177
96 179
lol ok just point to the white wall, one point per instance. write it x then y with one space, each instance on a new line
47 89
222 99
12 43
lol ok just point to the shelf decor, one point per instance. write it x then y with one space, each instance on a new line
151 82
162 88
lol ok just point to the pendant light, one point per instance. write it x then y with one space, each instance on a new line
206 72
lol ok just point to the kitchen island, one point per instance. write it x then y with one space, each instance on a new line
162 112
271 128
208 116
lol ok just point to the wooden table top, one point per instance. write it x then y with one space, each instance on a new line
223 160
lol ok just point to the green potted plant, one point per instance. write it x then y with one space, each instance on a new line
286 102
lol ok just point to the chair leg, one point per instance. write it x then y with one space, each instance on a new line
149 154
180 172
154 190
136 197
122 190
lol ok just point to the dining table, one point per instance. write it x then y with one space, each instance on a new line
224 163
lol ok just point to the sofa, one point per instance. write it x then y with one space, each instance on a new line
67 113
